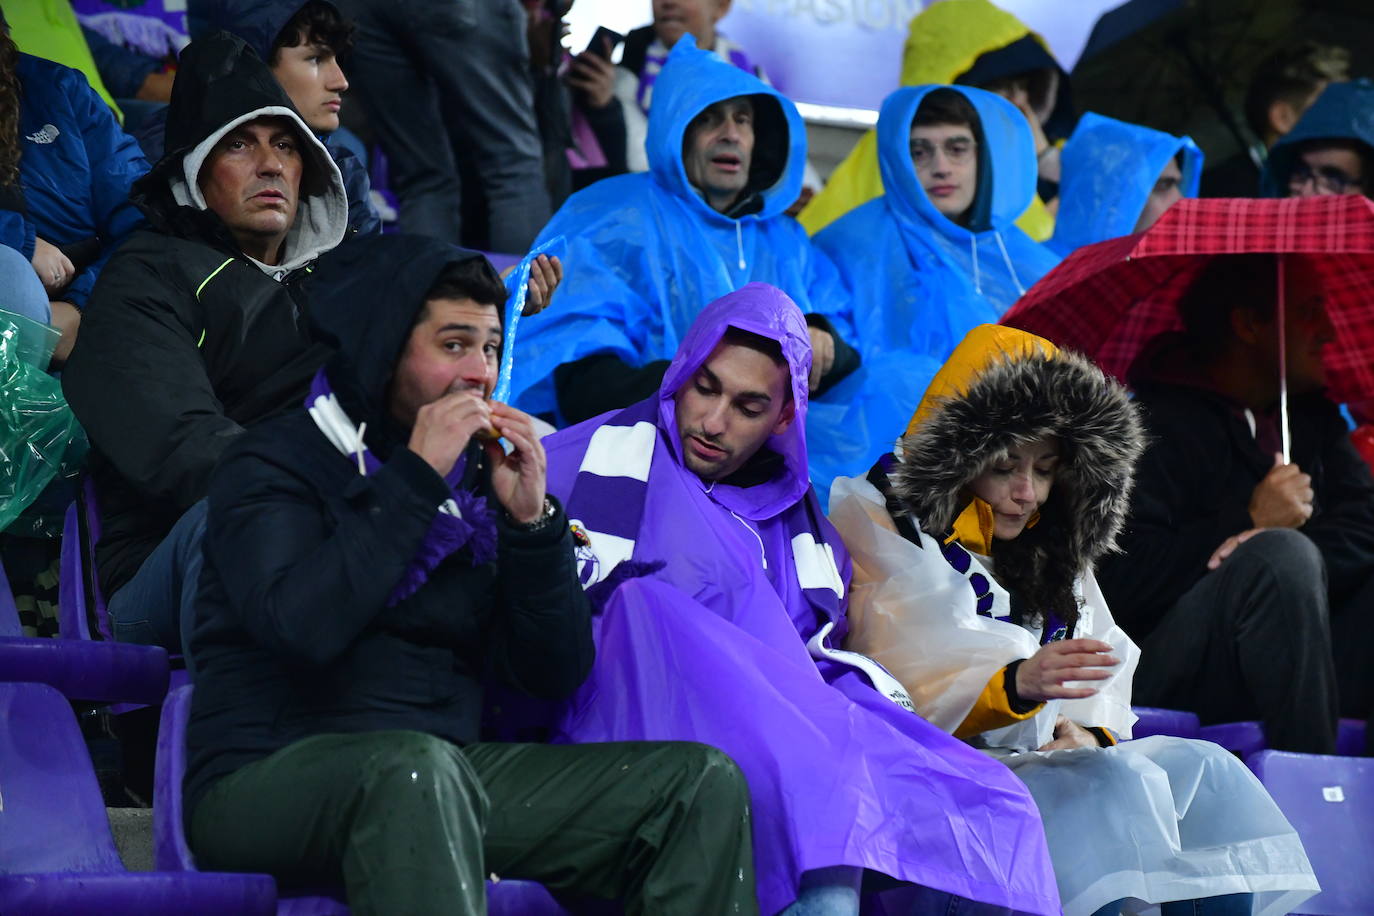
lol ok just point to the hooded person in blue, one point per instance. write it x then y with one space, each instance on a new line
1118 178
1330 151
300 43
936 255
648 251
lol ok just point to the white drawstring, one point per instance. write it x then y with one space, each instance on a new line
977 276
763 551
739 244
1006 258
359 448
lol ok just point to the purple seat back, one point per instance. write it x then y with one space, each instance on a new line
71 586
1350 736
1240 738
1172 722
52 818
1330 802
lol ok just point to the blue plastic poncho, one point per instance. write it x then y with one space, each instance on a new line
645 251
919 280
1109 169
1344 111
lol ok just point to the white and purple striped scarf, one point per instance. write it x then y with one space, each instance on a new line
464 519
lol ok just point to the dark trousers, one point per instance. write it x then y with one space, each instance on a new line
157 606
434 73
1251 639
411 824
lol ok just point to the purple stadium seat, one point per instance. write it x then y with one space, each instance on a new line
57 855
1246 738
170 852
1330 802
79 669
1240 738
1172 722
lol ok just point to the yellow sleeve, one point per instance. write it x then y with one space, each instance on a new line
855 181
992 709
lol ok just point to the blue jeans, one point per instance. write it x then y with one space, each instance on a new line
1223 905
21 291
156 607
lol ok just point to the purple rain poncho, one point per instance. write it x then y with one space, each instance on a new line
713 647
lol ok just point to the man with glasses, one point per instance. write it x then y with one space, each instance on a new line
1331 150
937 254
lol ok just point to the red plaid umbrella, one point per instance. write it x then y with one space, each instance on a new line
1111 299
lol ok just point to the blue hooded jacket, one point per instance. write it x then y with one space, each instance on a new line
1109 168
258 23
919 280
1344 111
646 253
75 168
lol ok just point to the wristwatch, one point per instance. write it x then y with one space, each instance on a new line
540 523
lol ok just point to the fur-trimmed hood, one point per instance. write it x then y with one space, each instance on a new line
1003 387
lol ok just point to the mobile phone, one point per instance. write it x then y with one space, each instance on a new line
604 42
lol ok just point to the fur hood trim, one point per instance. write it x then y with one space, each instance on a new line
1015 400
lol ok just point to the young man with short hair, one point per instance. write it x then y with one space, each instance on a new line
1283 87
1241 574
937 254
301 43
372 561
723 591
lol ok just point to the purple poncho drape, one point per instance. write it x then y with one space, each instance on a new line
712 647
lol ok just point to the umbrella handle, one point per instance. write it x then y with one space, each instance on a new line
1283 363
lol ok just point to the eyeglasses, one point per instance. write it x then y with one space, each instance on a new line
958 150
1327 178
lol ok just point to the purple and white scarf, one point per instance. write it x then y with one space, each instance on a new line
657 55
606 511
464 519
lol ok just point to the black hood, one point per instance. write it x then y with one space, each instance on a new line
368 292
221 82
257 22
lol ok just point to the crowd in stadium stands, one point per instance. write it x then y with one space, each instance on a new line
780 578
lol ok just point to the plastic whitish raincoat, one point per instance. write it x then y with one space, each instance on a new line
1153 820
1109 168
943 43
645 251
919 280
722 604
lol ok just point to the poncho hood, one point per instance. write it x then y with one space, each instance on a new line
1002 387
1109 168
693 80
222 83
1344 111
767 311
1006 153
368 293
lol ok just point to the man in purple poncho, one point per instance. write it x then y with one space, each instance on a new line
722 589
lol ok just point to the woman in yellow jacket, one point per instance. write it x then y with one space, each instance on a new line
971 42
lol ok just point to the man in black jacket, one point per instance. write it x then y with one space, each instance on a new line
1241 572
196 328
368 564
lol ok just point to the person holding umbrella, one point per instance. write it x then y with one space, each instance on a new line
1243 569
1249 547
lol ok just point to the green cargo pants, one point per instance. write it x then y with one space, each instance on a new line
411 824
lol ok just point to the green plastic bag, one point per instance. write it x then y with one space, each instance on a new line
39 436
